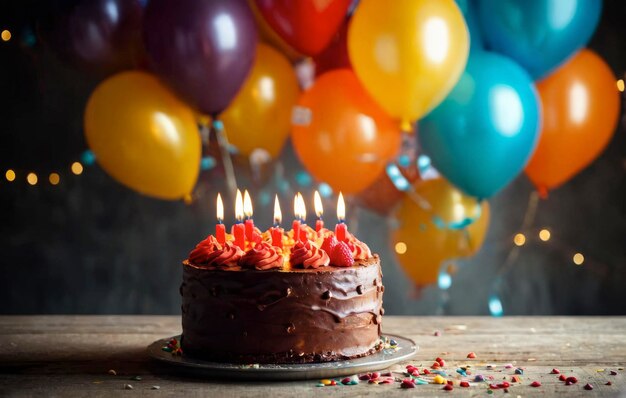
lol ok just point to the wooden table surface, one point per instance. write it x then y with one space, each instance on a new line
72 355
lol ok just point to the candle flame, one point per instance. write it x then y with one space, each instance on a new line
220 208
247 204
317 201
238 206
341 208
302 206
278 215
299 210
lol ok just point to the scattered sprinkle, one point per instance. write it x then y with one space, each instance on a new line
520 371
407 383
464 384
439 380
490 366
588 387
535 384
437 333
613 373
608 383
504 384
155 387
346 381
461 372
440 361
562 378
572 380
448 387
319 385
112 372
479 378
128 387
555 371
364 377
435 365
508 366
325 382
599 370
136 378
489 391
516 379
471 355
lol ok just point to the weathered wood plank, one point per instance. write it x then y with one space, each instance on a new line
70 355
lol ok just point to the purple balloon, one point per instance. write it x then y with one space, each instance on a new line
204 49
103 36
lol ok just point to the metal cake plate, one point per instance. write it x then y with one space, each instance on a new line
383 359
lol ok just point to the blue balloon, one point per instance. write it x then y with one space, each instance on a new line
539 34
483 134
469 8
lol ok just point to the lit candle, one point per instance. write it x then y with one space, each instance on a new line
303 236
341 229
296 223
238 228
277 231
220 229
247 212
319 211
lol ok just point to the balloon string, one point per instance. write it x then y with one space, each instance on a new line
529 219
227 161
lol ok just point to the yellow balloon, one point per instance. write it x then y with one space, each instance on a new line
260 115
455 226
408 53
143 136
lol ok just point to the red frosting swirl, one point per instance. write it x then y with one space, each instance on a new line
307 255
360 251
262 256
210 253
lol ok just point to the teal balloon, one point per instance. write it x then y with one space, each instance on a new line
469 8
539 34
483 134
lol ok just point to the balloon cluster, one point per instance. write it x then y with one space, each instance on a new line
494 88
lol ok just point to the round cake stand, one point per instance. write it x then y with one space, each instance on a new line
383 359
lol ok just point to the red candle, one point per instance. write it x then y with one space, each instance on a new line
319 211
276 231
238 229
247 212
341 229
220 229
296 230
303 234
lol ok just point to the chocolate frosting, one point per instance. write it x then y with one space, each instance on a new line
282 316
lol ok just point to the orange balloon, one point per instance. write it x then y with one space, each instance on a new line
437 222
580 111
341 135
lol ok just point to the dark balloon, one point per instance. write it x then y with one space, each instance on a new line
203 49
103 36
306 25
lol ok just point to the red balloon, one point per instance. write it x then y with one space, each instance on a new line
307 25
335 56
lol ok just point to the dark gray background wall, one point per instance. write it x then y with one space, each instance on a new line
89 245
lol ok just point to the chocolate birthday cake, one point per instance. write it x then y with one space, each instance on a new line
276 299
